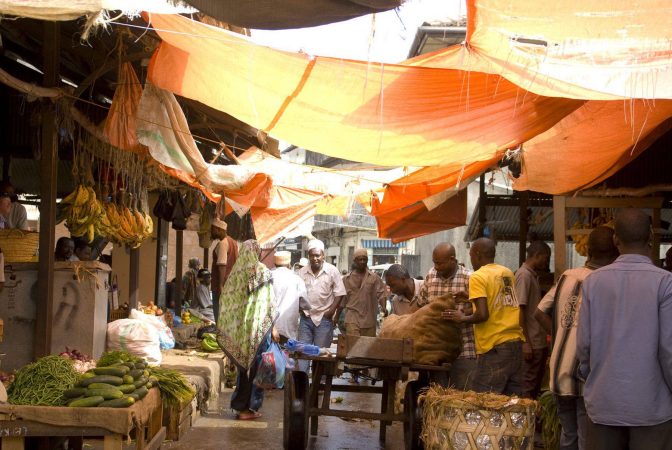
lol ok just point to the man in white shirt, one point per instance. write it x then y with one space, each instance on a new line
325 291
288 288
15 215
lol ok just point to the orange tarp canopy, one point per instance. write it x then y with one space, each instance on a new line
395 115
555 77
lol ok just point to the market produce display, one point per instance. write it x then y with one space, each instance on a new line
81 362
118 381
209 343
150 309
86 215
174 387
43 382
435 340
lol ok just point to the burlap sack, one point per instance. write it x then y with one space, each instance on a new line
435 340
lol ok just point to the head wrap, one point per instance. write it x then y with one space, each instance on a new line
219 223
283 258
360 252
315 244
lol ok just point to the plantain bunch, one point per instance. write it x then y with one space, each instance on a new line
88 216
82 212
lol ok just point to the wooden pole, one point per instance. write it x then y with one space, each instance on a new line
134 278
161 262
179 255
559 237
482 200
48 192
206 258
524 227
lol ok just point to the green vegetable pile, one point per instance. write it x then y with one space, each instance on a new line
43 382
550 423
209 343
118 381
174 387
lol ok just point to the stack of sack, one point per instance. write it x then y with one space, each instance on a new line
436 341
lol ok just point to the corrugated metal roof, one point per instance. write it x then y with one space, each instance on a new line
504 222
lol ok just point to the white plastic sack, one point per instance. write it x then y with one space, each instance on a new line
136 337
166 338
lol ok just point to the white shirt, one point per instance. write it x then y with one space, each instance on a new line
288 287
322 290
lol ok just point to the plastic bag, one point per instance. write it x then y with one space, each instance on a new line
136 337
271 370
166 338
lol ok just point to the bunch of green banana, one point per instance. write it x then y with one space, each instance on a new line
209 343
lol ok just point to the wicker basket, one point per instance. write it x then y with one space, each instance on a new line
117 314
19 245
459 420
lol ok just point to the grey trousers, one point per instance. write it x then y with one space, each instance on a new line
574 422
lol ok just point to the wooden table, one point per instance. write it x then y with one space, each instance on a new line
112 424
392 359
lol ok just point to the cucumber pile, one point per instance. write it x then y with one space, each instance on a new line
118 385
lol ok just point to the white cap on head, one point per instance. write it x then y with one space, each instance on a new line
303 262
219 223
283 258
315 244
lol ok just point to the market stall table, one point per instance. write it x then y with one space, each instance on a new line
17 422
391 359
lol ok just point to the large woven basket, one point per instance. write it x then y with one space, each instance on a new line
19 245
459 420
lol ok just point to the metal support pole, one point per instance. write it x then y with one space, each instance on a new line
161 262
48 192
134 278
179 255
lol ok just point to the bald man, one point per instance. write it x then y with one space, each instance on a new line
624 344
497 318
447 276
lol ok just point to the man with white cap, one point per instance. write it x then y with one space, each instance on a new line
365 291
288 288
223 258
325 290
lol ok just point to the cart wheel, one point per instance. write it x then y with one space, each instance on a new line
295 421
413 413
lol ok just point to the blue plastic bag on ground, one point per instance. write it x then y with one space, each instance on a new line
271 371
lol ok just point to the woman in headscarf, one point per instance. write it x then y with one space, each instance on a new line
245 321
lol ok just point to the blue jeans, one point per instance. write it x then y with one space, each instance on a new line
309 333
247 395
574 422
498 370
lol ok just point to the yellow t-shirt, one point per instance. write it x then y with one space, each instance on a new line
496 284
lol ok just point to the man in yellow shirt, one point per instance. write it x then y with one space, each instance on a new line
496 319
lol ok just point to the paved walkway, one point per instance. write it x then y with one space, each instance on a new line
223 431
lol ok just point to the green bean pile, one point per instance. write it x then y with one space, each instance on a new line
43 382
173 385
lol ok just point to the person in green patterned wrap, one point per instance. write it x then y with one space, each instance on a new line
245 322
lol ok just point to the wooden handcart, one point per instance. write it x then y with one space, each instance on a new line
392 359
112 424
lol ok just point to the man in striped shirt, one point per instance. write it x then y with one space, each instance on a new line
447 276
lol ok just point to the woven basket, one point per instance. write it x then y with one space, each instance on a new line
19 245
117 314
459 420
